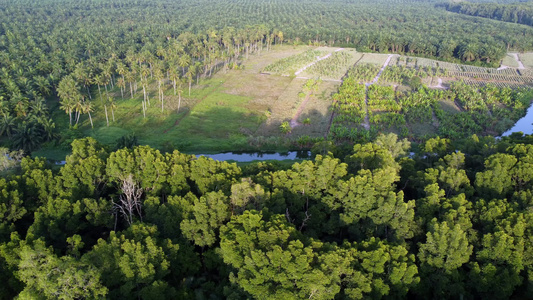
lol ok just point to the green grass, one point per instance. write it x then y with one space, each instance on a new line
449 107
510 61
107 135
52 153
422 129
527 59
219 122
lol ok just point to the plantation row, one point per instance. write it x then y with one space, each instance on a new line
400 74
382 99
383 109
414 62
401 68
521 13
289 65
433 63
364 72
488 76
528 73
494 78
461 111
332 65
479 84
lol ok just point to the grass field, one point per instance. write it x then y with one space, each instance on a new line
527 59
510 61
374 58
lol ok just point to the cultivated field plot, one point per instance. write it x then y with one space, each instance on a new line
294 64
239 106
333 67
327 63
472 75
361 112
286 106
257 63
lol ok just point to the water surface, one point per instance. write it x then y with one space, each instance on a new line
525 124
253 156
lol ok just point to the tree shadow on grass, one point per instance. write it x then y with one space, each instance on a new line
224 128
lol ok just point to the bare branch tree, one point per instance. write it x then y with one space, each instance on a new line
129 202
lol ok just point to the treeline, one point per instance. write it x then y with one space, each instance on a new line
93 44
82 51
521 13
174 64
454 220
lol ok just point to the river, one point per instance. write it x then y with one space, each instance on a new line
253 156
525 124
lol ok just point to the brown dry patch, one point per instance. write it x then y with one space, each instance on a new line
257 86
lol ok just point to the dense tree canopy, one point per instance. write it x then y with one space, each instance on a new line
521 13
449 221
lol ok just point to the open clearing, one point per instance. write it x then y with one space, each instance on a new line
230 111
243 109
527 59
509 61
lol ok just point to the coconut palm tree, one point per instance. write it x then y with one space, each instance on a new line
7 124
113 106
69 95
184 61
122 85
189 76
87 107
67 105
43 85
159 75
27 136
48 128
174 76
180 90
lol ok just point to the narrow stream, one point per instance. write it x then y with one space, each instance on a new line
253 156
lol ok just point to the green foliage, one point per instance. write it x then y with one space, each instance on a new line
210 175
127 141
133 264
291 64
445 248
270 262
46 275
514 13
285 127
447 222
204 218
